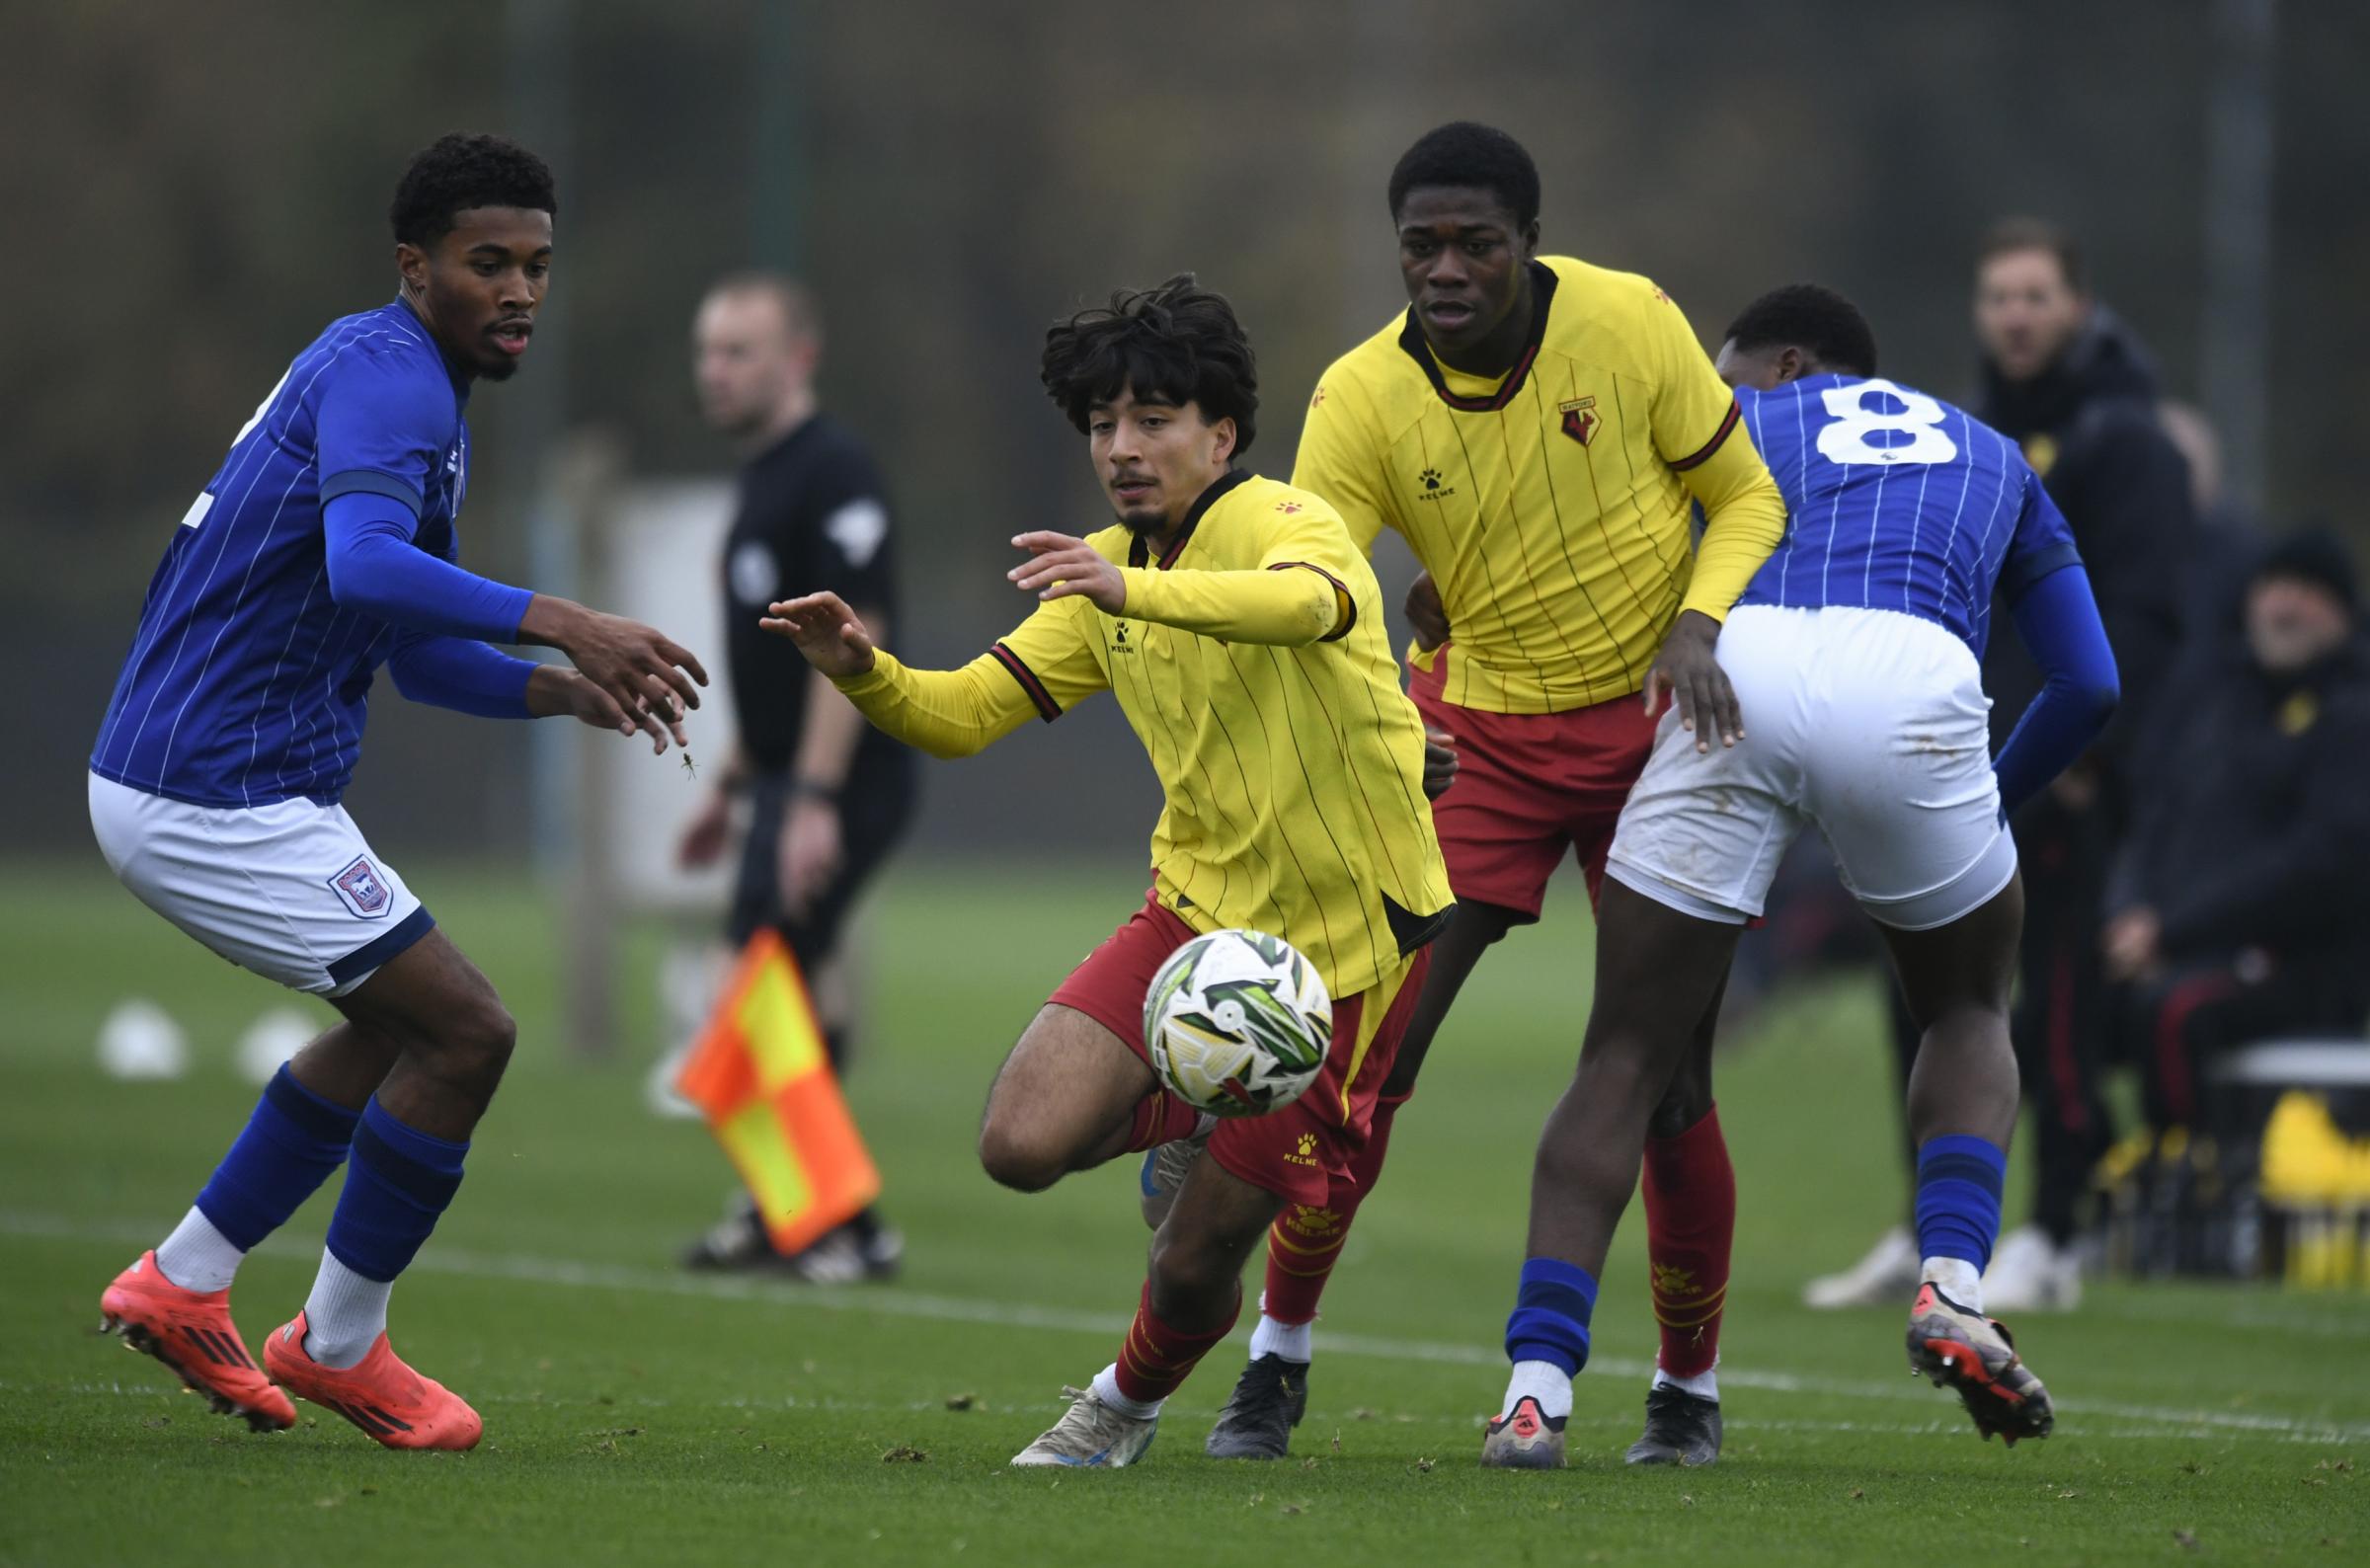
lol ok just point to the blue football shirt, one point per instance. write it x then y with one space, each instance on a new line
1898 500
246 682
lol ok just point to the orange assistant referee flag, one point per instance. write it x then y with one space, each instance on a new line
762 1078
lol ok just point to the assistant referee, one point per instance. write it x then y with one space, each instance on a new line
828 795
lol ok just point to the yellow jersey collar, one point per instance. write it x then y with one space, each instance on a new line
1411 339
1139 554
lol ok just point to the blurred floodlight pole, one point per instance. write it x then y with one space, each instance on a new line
538 39
2237 335
778 157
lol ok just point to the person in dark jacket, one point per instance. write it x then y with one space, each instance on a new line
2067 381
2241 906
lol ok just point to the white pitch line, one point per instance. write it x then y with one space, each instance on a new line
619 1407
898 1302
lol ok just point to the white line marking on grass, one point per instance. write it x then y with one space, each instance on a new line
898 1302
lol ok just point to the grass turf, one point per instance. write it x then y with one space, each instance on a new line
634 1412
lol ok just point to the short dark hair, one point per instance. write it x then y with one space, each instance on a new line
465 170
1465 153
1806 316
1176 344
2012 235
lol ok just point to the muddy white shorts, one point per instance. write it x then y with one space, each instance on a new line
1869 725
289 890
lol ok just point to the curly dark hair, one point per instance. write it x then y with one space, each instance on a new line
1176 344
1465 153
1806 316
465 170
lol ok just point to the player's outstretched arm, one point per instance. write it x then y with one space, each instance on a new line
468 677
1282 609
637 669
948 713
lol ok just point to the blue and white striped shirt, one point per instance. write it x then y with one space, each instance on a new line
248 683
1898 500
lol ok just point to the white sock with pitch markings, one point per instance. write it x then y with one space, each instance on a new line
196 1256
1957 1279
1106 1389
345 1314
1291 1341
1544 1382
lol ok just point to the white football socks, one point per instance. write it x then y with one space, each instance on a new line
1291 1341
345 1314
1957 1279
1544 1382
196 1256
1106 1389
1704 1384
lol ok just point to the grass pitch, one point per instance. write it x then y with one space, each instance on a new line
636 1414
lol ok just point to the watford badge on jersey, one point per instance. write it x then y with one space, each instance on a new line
1580 419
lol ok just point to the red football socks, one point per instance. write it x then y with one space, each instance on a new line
1155 1358
1690 1220
1161 1118
1303 1242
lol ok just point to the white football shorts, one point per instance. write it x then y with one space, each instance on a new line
1872 726
290 891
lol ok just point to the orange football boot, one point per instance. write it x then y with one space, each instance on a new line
378 1393
191 1332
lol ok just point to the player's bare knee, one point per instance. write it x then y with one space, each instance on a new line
474 1041
1019 1160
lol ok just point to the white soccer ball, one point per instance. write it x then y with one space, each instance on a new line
1237 1023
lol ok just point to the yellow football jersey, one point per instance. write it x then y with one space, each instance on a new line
1550 505
1253 664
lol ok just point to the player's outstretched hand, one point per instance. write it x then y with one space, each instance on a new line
825 631
1061 566
650 678
1688 672
552 692
1427 618
1440 761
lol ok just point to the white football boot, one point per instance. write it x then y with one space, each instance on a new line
1090 1435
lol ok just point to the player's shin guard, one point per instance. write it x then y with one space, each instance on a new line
401 1182
1161 1118
291 1143
1690 1223
1156 1357
1304 1242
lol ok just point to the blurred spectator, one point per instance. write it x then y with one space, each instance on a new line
2069 381
2241 905
828 795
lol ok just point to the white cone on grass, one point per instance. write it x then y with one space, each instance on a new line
141 1039
270 1041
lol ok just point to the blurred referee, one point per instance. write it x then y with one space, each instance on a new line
828 795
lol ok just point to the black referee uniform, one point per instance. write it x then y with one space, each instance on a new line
812 518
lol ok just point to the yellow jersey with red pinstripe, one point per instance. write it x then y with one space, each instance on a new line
1550 504
1253 661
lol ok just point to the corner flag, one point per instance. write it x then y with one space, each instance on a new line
760 1077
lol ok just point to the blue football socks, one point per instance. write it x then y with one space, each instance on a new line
1959 1178
287 1149
401 1182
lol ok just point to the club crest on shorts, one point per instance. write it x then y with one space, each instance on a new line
362 890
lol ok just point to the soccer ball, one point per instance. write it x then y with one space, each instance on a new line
1237 1023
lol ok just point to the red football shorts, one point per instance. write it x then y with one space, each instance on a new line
1295 1152
1529 786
